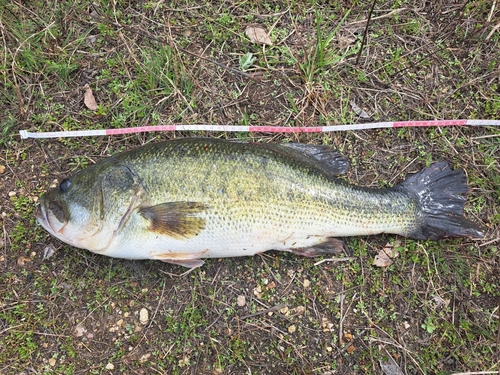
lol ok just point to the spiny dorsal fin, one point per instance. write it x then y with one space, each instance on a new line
328 160
175 219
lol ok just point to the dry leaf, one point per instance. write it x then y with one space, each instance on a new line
271 285
48 251
80 331
88 98
440 302
385 255
361 113
351 348
21 261
257 34
389 365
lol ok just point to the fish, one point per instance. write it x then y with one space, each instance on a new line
184 200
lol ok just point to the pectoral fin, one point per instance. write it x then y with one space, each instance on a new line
178 220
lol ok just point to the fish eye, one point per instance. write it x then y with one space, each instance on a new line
64 185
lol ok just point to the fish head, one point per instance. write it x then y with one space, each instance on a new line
88 209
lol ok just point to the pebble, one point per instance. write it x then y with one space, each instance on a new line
285 310
299 310
143 316
292 328
110 366
52 362
241 301
2 169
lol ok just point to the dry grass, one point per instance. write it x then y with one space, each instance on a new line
434 311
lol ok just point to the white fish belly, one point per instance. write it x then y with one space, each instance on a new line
220 242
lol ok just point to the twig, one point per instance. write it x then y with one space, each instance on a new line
489 242
391 13
366 32
333 260
495 28
492 10
274 308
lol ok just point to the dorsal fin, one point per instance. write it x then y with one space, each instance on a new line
329 161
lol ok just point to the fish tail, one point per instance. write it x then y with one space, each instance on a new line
441 194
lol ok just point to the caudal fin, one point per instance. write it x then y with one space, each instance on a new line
441 192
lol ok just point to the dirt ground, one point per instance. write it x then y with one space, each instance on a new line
434 310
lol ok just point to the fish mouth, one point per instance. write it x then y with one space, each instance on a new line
43 217
43 220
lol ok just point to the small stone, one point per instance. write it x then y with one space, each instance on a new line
258 291
307 283
110 366
299 310
52 362
241 301
144 358
143 316
12 193
284 310
119 323
292 328
348 336
2 169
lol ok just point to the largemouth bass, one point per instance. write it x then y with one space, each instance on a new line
184 200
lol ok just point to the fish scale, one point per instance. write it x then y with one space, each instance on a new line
187 199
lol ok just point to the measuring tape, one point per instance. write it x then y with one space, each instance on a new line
258 129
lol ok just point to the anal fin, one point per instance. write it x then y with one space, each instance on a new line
188 263
331 246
